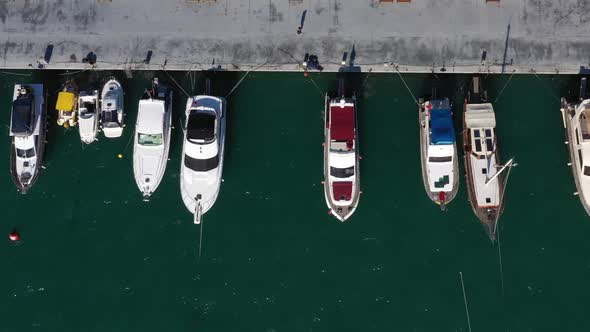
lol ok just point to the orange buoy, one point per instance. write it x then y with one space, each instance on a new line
14 236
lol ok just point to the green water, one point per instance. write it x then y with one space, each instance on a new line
95 257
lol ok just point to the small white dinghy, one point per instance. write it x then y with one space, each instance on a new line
576 120
202 153
88 115
27 129
438 151
152 138
112 115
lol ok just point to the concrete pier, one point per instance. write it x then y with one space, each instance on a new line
460 36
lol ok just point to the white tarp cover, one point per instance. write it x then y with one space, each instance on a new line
480 116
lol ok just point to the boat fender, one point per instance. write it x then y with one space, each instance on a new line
14 235
330 212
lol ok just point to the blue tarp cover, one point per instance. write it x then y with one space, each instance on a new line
441 126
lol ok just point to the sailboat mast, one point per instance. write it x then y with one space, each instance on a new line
508 164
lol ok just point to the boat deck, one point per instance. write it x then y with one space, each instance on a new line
461 36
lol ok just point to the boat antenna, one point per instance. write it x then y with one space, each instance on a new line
465 301
405 84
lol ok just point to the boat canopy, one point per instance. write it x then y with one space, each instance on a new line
65 101
342 190
201 126
480 116
342 123
441 126
22 120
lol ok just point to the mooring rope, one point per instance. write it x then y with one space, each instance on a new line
505 85
406 85
173 80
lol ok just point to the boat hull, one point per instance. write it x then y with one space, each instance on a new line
568 113
488 216
341 212
23 185
207 194
155 179
435 196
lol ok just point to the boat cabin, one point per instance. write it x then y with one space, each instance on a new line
342 154
22 121
110 114
480 120
201 127
441 147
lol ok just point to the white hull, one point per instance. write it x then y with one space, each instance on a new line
578 140
149 162
88 119
112 112
25 166
200 189
341 157
435 196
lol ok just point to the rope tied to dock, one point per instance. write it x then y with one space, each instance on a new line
406 85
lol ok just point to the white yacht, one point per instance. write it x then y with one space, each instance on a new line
576 120
88 115
112 115
341 157
438 151
202 153
27 129
152 137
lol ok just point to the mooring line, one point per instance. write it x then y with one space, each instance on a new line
316 87
13 73
505 85
465 301
497 230
549 90
173 80
200 239
406 85
243 77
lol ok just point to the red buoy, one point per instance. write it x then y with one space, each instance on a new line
305 74
14 236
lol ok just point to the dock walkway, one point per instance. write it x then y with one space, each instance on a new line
460 36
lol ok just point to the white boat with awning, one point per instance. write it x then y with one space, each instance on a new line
438 151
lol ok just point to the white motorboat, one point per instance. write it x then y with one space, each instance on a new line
202 153
341 156
112 115
88 115
576 120
152 137
438 151
27 129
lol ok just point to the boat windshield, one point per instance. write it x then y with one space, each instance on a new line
201 165
342 172
446 159
201 127
149 139
30 153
